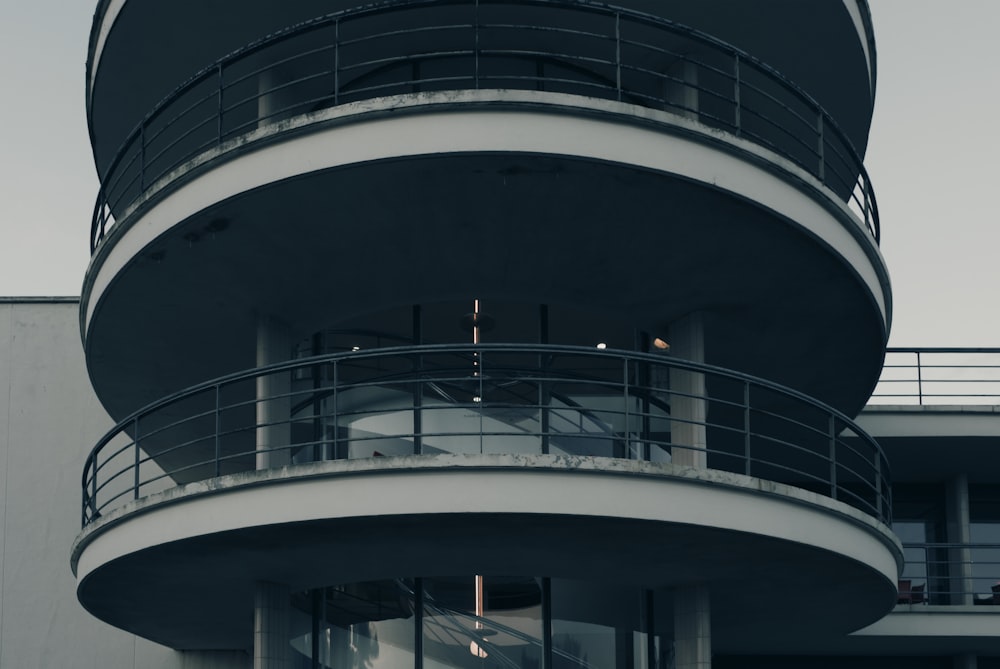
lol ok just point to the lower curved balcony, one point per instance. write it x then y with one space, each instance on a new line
557 461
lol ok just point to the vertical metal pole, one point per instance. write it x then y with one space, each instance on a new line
746 427
878 486
618 54
135 442
221 109
544 394
833 456
650 625
336 62
317 611
418 623
335 397
821 147
920 380
93 491
738 115
625 400
866 189
476 19
546 623
317 404
482 401
418 387
142 157
218 432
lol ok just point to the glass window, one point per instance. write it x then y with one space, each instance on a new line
482 622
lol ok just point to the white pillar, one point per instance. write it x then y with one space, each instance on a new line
273 403
687 341
957 528
271 641
692 628
267 100
681 92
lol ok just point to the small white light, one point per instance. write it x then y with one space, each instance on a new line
355 348
477 398
602 346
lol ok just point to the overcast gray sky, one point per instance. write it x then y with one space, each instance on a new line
932 158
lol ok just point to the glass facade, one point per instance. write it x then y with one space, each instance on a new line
481 622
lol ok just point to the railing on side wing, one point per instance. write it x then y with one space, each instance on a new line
476 399
412 46
939 376
950 574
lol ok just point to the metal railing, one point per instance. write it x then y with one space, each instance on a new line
410 46
520 399
955 574
939 376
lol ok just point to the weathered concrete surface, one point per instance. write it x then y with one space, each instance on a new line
779 557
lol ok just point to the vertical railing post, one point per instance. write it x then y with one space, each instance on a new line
618 54
221 108
746 428
867 190
336 71
335 397
218 432
135 442
920 381
476 53
878 484
482 401
625 399
142 157
418 623
738 106
544 398
93 489
418 404
821 147
833 456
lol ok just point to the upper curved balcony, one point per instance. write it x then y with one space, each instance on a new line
419 46
825 46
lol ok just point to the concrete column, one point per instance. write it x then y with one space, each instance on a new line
687 341
267 100
271 627
692 628
957 528
681 92
273 404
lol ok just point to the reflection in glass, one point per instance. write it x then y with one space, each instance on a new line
508 633
357 626
482 622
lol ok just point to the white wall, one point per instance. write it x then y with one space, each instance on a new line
49 421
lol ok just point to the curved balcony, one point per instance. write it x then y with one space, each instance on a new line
487 399
414 47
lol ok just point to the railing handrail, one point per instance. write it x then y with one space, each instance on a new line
849 453
952 544
115 175
928 382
